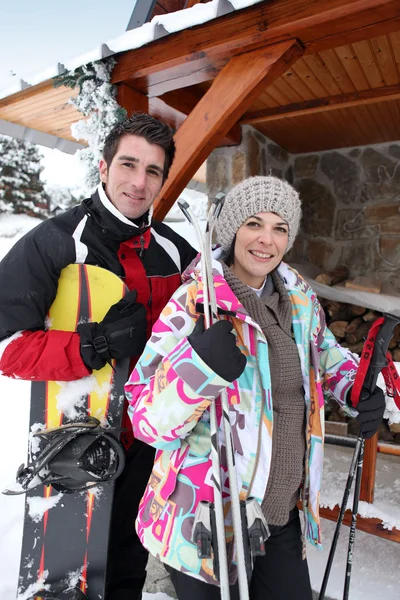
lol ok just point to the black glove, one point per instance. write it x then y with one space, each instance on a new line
121 334
217 347
371 407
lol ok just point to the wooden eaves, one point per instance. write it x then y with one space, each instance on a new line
201 54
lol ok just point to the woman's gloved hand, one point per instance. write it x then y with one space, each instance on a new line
217 347
121 334
371 407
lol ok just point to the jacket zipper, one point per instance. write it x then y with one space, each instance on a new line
116 334
141 244
259 430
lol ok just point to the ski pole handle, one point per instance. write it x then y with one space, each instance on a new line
373 356
378 360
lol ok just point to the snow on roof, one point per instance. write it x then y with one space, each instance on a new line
159 26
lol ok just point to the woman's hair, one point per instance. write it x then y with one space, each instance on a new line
230 257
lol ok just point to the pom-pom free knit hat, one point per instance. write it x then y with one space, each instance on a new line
257 195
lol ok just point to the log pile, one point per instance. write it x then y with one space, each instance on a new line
350 325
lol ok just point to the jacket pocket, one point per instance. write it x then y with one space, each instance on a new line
161 484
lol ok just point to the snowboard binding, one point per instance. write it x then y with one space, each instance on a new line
74 457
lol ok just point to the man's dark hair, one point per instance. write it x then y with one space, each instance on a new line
142 125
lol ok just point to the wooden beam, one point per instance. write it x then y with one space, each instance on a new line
318 105
131 99
374 526
190 3
171 108
199 53
235 88
184 101
369 469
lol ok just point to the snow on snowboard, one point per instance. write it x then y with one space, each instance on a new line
73 431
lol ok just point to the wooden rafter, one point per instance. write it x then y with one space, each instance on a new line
235 88
190 3
199 53
172 108
132 100
318 105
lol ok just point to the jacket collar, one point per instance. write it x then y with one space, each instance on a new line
114 223
108 205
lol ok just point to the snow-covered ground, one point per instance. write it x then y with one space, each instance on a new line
376 561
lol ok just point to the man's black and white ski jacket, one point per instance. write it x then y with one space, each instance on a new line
149 258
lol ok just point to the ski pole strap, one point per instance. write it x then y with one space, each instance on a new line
389 371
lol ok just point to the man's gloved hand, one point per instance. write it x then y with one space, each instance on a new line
216 346
371 407
121 334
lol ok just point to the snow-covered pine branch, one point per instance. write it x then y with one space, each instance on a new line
96 100
21 189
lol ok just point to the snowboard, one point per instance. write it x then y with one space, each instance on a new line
65 535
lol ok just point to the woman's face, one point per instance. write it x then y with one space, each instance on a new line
260 245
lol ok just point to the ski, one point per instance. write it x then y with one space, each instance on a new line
217 536
249 524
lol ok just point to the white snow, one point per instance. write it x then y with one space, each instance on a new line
34 587
376 560
71 390
38 506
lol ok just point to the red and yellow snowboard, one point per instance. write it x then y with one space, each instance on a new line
65 535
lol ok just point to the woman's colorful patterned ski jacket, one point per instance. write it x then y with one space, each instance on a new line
170 392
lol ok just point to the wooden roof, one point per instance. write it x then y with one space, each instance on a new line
304 110
336 83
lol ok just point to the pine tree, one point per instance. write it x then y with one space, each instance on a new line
21 189
62 198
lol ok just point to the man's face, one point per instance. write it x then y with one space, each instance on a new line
135 176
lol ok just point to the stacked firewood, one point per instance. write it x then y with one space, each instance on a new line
349 323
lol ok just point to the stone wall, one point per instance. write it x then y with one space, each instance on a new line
351 200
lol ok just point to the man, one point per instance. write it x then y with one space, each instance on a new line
113 229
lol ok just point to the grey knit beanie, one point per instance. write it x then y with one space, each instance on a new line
256 195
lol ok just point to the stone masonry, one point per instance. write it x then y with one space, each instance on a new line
351 200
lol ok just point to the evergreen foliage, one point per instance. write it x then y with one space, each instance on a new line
62 198
21 189
97 101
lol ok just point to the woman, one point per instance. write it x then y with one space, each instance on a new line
273 354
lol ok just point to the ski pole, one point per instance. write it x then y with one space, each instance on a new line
377 363
220 547
343 506
373 360
352 535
